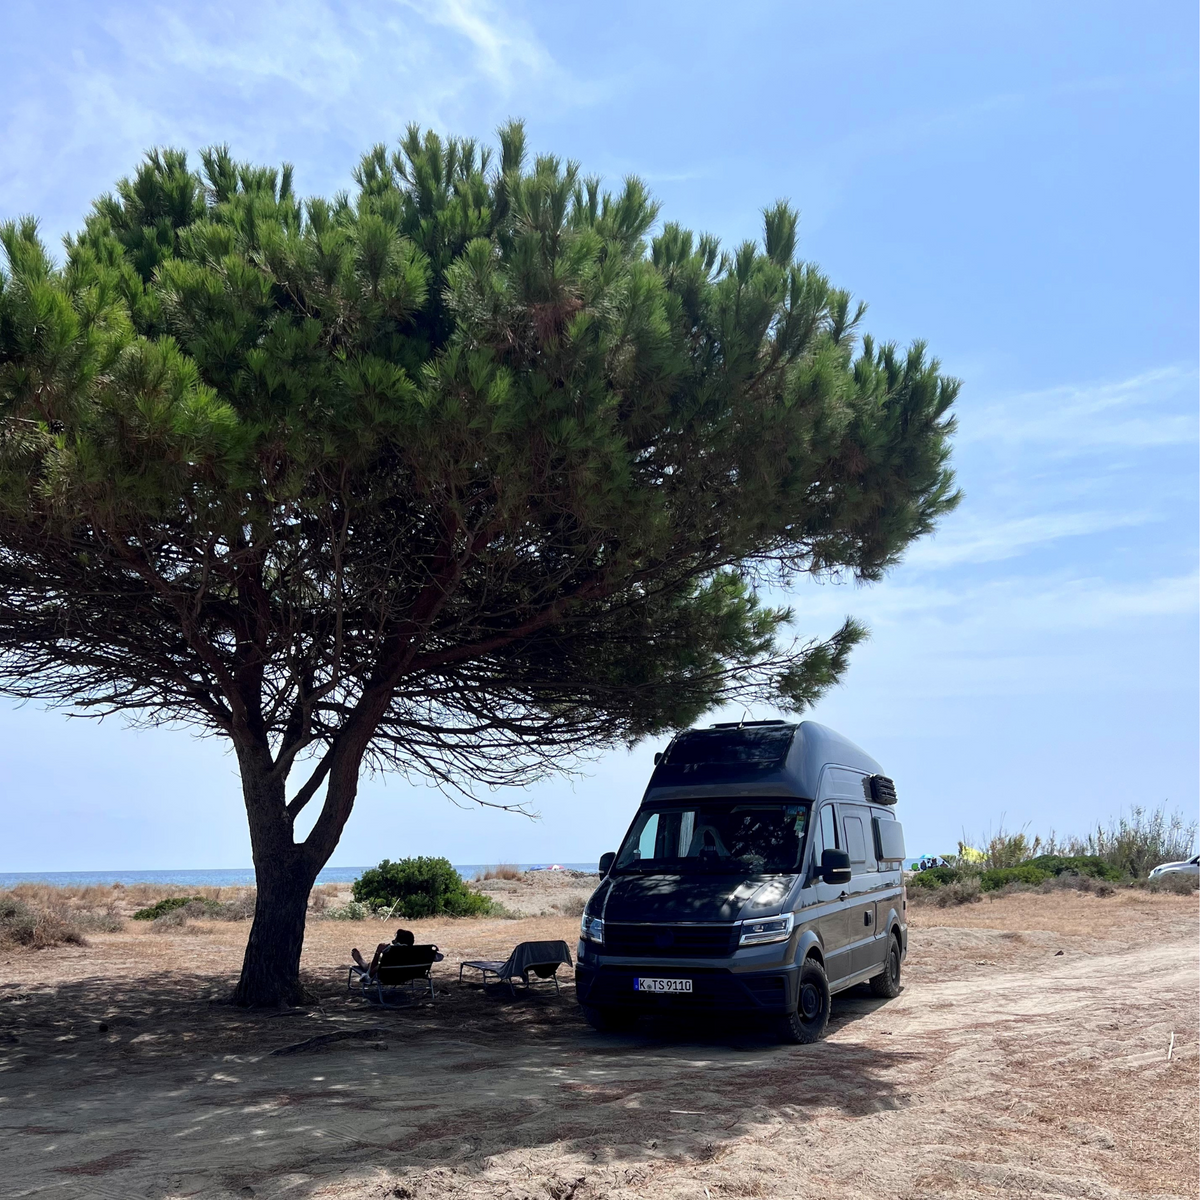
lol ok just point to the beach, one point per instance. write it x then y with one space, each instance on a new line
1026 1055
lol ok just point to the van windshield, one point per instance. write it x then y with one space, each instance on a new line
755 837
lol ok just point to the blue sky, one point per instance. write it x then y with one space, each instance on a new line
1015 183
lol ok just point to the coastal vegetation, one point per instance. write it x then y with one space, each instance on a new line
1110 860
1120 853
419 887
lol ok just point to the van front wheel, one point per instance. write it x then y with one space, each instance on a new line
807 1024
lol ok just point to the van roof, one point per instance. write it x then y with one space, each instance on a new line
766 757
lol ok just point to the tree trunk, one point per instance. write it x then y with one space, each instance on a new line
284 874
271 967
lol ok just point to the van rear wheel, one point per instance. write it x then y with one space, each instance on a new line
809 1021
887 984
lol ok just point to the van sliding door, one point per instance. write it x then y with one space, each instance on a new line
866 947
829 915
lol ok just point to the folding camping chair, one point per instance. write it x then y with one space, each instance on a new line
398 965
542 958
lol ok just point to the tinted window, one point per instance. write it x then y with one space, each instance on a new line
855 842
752 837
860 838
760 747
648 838
829 836
889 839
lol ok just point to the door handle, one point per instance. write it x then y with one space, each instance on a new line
866 918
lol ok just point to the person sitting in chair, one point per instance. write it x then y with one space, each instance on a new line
403 937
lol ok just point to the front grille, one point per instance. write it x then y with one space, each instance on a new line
670 941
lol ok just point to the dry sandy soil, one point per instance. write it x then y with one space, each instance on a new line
1026 1056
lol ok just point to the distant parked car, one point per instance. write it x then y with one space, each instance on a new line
1190 866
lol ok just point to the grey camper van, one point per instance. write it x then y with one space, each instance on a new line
761 874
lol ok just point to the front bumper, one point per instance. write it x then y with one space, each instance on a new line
714 989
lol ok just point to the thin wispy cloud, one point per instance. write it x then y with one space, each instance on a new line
978 540
506 49
1152 408
310 81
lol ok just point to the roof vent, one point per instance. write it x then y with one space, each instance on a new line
883 790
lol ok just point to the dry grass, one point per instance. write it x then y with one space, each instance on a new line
36 927
1069 912
950 895
61 916
502 871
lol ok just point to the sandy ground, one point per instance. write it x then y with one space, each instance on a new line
1026 1056
542 893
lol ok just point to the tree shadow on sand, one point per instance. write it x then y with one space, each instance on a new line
449 1085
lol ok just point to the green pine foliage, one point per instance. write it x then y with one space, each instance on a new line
464 473
227 389
419 887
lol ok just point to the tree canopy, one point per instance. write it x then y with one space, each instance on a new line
461 474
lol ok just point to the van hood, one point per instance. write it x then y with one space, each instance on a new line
666 898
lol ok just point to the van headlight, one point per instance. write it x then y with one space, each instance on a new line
772 929
591 929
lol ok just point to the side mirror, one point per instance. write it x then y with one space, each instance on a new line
607 860
835 866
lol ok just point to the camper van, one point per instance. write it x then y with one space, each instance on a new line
761 875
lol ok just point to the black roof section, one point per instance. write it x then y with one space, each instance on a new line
770 757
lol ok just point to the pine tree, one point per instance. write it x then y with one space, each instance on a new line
463 475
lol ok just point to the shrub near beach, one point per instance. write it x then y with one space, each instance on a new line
1124 852
419 887
38 928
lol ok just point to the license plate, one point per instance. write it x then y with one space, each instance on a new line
662 985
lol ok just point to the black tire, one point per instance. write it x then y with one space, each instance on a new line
606 1020
809 1021
887 984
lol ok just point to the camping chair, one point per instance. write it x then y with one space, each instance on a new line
542 958
398 965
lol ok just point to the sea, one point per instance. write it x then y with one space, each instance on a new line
232 877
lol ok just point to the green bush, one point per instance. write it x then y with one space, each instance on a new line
934 877
998 877
419 887
348 912
165 906
1091 865
949 892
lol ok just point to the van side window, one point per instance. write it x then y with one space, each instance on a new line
649 836
860 839
829 837
855 842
